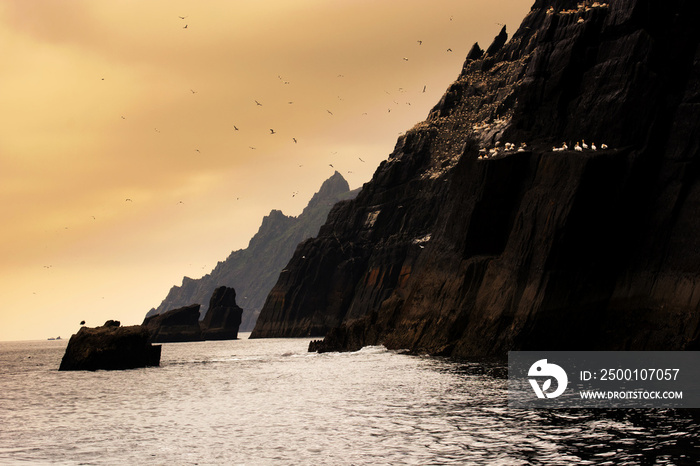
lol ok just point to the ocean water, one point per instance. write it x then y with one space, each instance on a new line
260 402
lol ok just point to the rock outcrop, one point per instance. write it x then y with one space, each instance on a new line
182 324
176 325
223 317
254 270
464 246
110 347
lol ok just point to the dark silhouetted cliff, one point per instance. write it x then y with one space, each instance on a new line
464 245
253 271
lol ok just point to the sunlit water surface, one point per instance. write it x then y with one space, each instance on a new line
271 402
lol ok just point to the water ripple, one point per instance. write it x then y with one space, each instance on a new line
271 402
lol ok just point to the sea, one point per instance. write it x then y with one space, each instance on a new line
270 402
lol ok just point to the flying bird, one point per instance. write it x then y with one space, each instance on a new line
128 200
193 91
235 127
424 89
82 322
182 17
331 165
361 159
258 103
295 140
184 27
329 112
420 42
272 131
449 50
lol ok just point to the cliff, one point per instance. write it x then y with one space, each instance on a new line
253 271
465 245
110 347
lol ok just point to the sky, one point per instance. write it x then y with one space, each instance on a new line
143 141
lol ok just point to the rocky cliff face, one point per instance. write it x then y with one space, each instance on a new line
253 271
460 247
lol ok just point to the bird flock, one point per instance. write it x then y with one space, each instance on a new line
497 150
584 7
510 148
397 96
579 147
260 103
329 111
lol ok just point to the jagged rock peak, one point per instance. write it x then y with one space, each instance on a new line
475 53
498 42
253 271
330 189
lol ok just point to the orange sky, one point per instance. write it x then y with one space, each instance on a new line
103 101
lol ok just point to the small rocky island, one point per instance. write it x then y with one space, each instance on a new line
221 322
110 347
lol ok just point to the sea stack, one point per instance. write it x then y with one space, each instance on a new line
221 322
110 347
223 317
